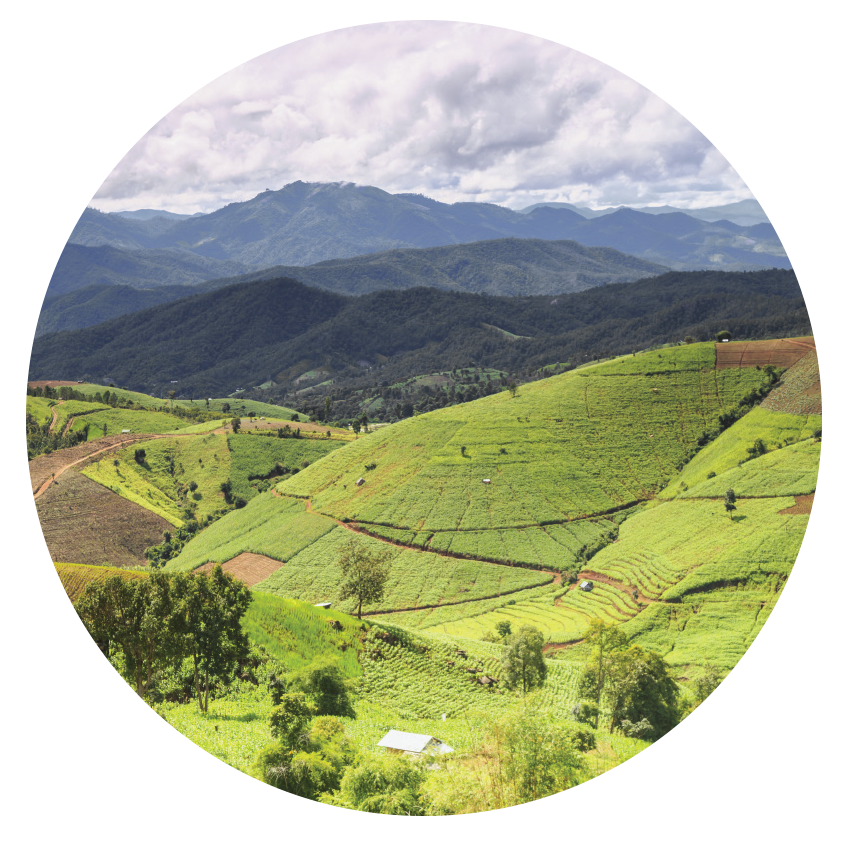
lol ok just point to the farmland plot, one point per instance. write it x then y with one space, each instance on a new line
268 525
731 447
417 579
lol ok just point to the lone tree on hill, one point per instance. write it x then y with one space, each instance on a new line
523 661
512 386
364 575
730 502
604 640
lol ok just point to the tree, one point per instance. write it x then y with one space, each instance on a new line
364 574
641 689
235 425
512 386
384 785
523 660
139 455
328 407
604 639
356 425
207 614
364 421
526 755
688 340
133 615
723 336
325 686
710 679
730 502
504 628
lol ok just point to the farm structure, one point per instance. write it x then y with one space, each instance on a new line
413 744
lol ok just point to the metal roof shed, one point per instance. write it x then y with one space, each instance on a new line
396 741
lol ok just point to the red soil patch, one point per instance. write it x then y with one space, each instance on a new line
803 505
248 567
51 383
778 352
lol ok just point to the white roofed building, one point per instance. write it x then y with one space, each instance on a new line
413 744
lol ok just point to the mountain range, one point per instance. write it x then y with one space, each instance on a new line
303 223
273 331
127 281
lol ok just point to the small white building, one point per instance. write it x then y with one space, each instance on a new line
413 744
587 586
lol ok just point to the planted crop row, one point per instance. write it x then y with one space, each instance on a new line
268 525
800 390
417 579
731 447
788 471
76 577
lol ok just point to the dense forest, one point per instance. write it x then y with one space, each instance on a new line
283 333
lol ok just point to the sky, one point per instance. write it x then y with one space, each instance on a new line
458 112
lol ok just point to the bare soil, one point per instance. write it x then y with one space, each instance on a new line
85 523
44 469
803 505
781 353
249 567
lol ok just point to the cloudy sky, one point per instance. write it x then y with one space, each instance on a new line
459 112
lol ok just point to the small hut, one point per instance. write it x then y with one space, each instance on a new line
587 586
413 744
360 481
486 481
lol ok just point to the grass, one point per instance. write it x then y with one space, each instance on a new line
242 408
115 420
122 478
39 408
295 633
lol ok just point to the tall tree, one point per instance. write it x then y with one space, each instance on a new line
523 659
730 502
207 610
364 574
133 615
604 640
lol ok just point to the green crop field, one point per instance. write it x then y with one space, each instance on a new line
731 447
241 407
76 577
254 457
77 408
417 579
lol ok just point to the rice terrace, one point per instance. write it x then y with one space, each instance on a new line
491 516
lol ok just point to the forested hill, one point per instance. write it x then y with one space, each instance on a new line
496 267
251 333
302 224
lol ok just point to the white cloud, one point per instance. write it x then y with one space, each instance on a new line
455 111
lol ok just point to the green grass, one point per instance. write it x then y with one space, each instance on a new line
76 408
730 448
200 428
39 408
295 633
242 407
116 420
254 457
791 470
123 479
123 394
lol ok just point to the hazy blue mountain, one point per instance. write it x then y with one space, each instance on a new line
80 266
745 212
302 224
150 213
496 267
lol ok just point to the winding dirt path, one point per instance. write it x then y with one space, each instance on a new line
54 421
